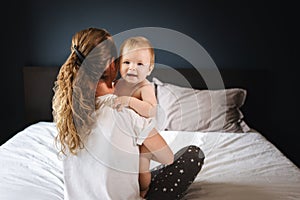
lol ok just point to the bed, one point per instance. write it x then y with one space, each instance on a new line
240 163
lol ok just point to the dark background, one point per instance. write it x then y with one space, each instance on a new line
242 35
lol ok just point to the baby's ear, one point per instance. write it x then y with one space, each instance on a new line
150 69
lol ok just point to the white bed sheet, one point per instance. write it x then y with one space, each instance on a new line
238 166
29 165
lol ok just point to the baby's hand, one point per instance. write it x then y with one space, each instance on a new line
121 102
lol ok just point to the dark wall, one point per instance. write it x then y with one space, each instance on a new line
237 35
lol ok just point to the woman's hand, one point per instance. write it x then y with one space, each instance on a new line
121 102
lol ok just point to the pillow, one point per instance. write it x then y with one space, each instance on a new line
188 109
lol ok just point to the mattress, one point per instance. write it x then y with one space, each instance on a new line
238 166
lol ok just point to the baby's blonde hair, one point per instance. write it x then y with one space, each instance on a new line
135 43
73 102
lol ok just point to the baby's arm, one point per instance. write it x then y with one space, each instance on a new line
146 107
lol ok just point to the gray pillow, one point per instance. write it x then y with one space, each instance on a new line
187 109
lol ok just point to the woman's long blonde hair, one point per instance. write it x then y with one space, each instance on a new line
73 103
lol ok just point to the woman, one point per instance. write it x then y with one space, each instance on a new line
100 144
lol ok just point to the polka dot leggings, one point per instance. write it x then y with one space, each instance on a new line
170 182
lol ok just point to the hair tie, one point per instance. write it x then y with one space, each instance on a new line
79 55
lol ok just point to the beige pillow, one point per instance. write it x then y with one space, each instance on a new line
187 109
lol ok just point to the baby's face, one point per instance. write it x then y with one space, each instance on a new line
135 65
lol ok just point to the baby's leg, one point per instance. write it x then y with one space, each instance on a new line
144 171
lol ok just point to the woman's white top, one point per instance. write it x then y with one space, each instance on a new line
108 165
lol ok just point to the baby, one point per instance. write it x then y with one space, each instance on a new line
133 89
136 62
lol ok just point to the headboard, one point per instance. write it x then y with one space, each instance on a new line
38 92
39 82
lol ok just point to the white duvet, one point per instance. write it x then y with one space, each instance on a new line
238 166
